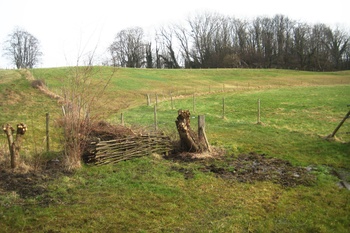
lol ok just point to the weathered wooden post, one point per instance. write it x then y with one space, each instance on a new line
122 119
202 137
148 100
340 124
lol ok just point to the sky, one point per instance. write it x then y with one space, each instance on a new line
69 29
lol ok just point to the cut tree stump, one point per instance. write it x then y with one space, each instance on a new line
190 141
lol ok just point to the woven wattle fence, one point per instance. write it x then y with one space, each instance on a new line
117 150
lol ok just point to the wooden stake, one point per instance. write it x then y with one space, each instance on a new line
340 124
201 131
122 119
148 100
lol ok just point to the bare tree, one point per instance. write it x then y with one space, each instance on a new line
211 40
283 30
168 53
203 30
149 56
128 48
182 35
321 58
22 48
336 43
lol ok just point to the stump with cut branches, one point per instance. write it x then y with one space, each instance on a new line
14 144
190 140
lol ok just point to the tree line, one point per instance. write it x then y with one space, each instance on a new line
211 40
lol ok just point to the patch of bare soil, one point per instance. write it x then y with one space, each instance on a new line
249 168
31 184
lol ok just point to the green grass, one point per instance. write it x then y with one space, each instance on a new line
295 119
22 103
150 194
147 195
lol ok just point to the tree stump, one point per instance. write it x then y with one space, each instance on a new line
190 141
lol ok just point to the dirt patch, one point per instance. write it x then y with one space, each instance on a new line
249 168
31 184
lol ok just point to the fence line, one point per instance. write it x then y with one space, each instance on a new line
255 110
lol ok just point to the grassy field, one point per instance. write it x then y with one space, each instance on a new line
151 194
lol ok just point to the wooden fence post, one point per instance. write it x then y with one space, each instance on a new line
122 119
47 132
202 137
148 100
156 99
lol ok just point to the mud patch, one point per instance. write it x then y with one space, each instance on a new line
32 183
250 168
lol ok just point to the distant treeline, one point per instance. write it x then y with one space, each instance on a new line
210 40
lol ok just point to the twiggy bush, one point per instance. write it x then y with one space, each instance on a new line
79 111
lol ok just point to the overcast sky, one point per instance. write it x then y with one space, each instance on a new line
69 28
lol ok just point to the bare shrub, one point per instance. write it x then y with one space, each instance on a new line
79 111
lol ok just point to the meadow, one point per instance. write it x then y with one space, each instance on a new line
152 194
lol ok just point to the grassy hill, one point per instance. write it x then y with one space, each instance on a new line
152 194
